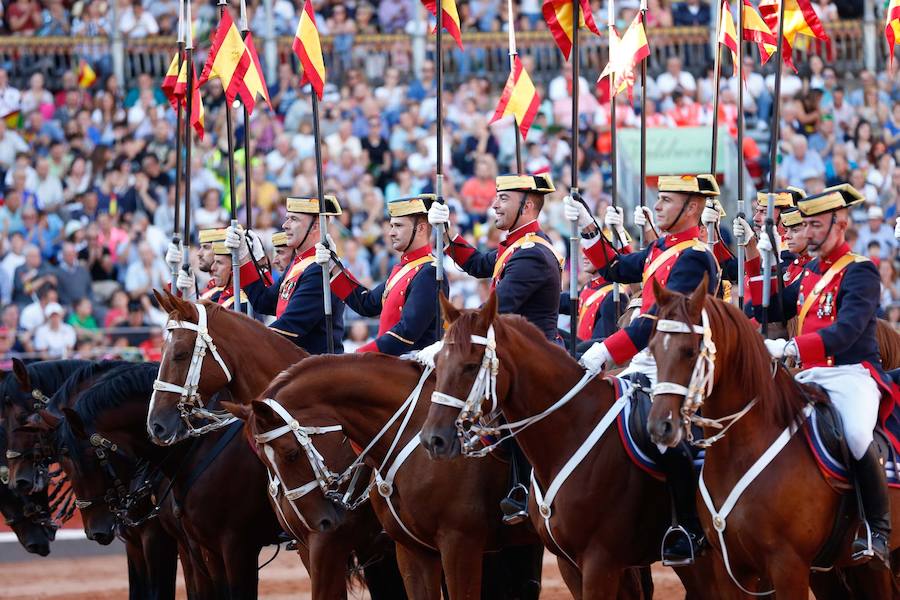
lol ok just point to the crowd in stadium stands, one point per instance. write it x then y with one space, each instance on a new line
87 175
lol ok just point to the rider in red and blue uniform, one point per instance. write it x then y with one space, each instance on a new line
677 261
835 301
407 301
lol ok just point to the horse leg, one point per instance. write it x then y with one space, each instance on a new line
137 573
421 572
461 558
601 578
329 556
631 585
790 577
383 575
571 576
161 556
241 569
866 583
830 585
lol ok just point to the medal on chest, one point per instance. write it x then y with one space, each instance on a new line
288 288
826 306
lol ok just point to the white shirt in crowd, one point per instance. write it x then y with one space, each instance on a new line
667 82
57 343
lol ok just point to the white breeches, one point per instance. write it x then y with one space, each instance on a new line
856 397
643 362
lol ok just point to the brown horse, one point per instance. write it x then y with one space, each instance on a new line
888 345
783 518
253 355
610 515
443 516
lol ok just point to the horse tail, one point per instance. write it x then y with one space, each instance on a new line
888 345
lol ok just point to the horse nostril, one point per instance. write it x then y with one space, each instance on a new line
23 485
437 442
325 525
661 429
158 431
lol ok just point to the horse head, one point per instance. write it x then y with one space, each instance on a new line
91 464
192 368
26 443
676 346
33 535
296 465
464 363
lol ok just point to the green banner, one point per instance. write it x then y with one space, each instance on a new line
675 151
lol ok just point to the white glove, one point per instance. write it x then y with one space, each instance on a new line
576 212
595 357
323 255
185 282
256 246
781 348
614 217
234 240
897 229
709 216
764 244
438 214
642 216
742 231
174 256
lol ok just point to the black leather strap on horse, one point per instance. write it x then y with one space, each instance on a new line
211 456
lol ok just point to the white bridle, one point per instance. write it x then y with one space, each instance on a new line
471 425
324 478
190 402
701 383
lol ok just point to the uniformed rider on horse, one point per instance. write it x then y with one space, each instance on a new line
185 282
678 261
407 300
525 272
835 301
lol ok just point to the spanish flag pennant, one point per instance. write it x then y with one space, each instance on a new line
449 18
558 14
892 28
626 53
86 74
728 34
254 83
519 98
170 79
308 49
757 31
228 58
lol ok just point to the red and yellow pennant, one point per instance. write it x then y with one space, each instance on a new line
757 31
308 49
169 81
86 74
198 113
800 18
449 18
728 34
519 98
228 59
254 82
892 28
626 53
558 14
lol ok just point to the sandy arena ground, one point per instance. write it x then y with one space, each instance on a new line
104 578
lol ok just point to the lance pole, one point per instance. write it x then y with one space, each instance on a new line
188 138
741 255
245 29
229 131
574 236
613 151
769 258
643 127
439 168
323 222
513 52
717 78
179 126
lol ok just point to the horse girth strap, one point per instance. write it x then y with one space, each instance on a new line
402 272
660 260
836 269
528 237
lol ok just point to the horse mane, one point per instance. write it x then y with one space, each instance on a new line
46 376
749 361
888 345
65 395
117 387
461 331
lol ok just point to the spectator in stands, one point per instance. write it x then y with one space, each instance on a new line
878 232
54 339
12 248
34 314
674 78
35 96
690 12
30 276
23 16
11 143
56 20
801 163
82 317
74 281
135 22
147 273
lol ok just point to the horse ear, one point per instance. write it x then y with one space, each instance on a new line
451 314
21 373
262 410
662 295
162 300
184 308
75 422
488 311
48 420
698 296
241 411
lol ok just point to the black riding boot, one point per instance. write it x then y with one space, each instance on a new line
515 505
685 538
872 485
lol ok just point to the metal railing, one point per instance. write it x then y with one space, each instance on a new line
485 53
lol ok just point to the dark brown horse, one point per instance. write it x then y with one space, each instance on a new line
443 516
253 355
18 511
609 515
783 518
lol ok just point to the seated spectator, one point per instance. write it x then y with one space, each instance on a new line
74 280
118 310
82 317
54 339
30 276
690 12
876 231
34 314
211 213
137 22
801 163
675 78
147 273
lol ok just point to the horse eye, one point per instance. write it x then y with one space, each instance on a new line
293 455
180 356
470 368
